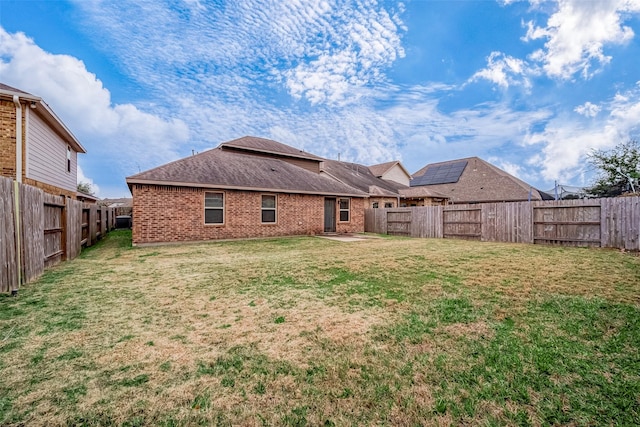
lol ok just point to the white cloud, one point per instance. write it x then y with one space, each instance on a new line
505 71
587 109
509 167
577 33
95 189
114 134
566 142
321 51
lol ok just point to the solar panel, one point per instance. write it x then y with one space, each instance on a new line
440 174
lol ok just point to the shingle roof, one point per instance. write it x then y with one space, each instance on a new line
360 177
13 89
220 168
481 182
263 145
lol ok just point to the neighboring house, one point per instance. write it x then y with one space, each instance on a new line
36 147
392 171
473 180
86 198
248 187
121 206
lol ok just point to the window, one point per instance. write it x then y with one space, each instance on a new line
213 208
375 205
388 204
344 210
68 158
268 208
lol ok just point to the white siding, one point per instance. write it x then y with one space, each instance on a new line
396 174
47 155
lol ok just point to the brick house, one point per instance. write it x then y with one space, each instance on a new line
472 180
248 187
36 148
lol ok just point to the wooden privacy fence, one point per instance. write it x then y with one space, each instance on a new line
608 223
38 230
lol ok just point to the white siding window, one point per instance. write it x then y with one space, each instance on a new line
213 208
69 158
344 210
268 208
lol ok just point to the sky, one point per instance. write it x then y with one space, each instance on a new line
530 86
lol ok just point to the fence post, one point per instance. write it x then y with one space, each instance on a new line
16 197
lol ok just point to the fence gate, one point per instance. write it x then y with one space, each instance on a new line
577 225
399 223
462 223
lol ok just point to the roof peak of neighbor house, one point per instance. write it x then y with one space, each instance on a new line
382 168
473 163
43 109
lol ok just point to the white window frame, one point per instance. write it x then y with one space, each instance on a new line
274 209
347 210
214 208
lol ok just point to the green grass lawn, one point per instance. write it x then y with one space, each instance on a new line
307 331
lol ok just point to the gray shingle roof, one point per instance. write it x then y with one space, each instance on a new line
360 177
481 182
263 145
223 168
12 89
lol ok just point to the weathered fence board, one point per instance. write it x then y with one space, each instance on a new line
9 266
53 229
50 230
613 223
427 223
32 224
506 222
620 222
399 223
74 228
576 223
462 222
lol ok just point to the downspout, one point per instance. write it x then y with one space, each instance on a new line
16 101
16 190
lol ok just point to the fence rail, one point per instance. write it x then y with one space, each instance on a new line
39 230
609 223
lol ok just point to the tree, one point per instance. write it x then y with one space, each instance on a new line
85 187
619 169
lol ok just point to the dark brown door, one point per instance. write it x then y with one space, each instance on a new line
329 215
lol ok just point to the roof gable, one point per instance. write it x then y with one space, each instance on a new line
44 111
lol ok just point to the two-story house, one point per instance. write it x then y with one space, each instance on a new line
36 147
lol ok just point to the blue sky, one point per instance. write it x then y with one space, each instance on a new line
531 86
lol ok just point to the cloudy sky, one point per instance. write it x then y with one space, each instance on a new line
531 86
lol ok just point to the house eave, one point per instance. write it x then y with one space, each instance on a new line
49 116
131 182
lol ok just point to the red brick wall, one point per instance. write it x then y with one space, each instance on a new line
176 214
8 139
